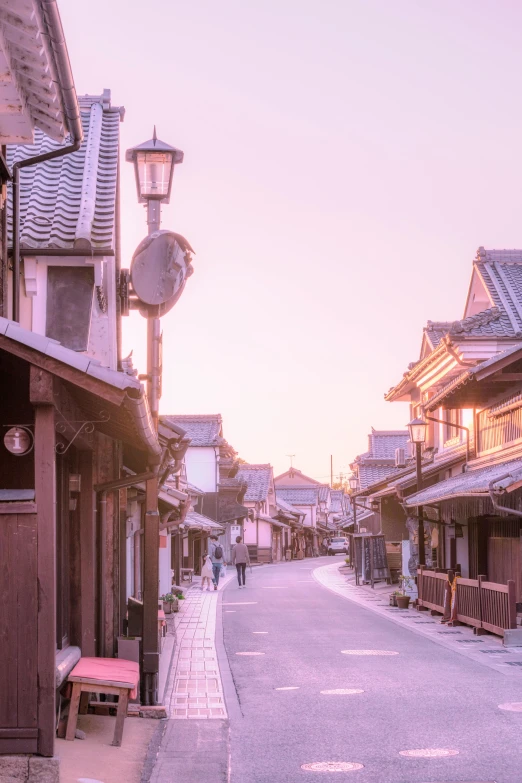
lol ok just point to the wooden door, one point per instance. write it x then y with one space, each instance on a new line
18 634
504 562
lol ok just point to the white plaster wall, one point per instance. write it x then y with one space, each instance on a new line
200 462
462 553
102 338
264 533
249 532
164 566
129 568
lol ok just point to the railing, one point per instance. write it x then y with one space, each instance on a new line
498 428
484 605
431 586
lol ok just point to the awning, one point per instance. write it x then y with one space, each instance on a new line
409 478
474 483
277 523
195 521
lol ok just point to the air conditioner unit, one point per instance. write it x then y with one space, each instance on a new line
400 458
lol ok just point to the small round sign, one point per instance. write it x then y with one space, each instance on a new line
18 441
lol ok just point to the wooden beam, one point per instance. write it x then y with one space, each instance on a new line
64 371
506 376
150 579
45 490
87 556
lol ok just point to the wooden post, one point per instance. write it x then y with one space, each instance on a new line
151 590
512 603
87 556
41 396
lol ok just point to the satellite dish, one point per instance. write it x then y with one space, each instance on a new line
159 269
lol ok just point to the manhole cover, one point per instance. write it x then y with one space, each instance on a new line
428 753
331 766
513 663
250 653
514 706
470 641
369 652
342 691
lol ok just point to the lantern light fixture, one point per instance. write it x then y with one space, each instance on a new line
154 162
418 429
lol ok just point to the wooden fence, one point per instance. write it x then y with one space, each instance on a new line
479 603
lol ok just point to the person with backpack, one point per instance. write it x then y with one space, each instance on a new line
216 553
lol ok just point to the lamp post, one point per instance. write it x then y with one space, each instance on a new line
154 163
418 428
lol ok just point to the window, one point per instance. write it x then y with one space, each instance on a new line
451 417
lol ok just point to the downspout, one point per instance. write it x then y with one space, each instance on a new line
457 427
454 355
496 506
54 41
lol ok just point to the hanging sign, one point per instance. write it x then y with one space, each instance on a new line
18 441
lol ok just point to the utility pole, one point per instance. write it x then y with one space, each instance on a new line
331 470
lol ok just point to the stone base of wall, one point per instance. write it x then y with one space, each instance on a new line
29 769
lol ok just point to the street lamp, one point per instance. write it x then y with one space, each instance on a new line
154 162
418 429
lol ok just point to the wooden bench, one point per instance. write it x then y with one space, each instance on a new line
187 573
112 676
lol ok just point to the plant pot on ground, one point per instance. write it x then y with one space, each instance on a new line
403 601
168 601
393 599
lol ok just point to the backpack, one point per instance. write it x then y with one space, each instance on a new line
218 552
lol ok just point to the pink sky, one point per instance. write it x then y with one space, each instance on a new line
343 161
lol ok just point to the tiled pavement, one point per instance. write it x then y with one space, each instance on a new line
195 690
487 650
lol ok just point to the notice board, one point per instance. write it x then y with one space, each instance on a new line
370 560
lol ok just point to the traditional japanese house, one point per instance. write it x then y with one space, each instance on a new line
294 541
266 535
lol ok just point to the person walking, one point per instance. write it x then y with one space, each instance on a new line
241 559
207 574
216 553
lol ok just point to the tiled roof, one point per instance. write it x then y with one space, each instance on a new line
323 490
501 272
71 201
382 443
195 520
336 500
370 474
492 322
258 479
30 92
203 430
471 483
298 496
285 506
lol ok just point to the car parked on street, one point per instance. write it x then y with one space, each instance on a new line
339 545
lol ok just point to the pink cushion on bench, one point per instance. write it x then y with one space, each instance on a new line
108 670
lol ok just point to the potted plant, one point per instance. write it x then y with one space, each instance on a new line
168 600
393 598
407 583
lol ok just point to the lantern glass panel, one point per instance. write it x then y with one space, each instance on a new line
353 482
417 429
154 173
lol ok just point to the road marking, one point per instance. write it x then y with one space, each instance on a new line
230 611
259 631
288 688
331 766
342 691
369 652
514 706
250 653
306 581
428 753
274 588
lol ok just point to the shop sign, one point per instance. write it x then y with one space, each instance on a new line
18 441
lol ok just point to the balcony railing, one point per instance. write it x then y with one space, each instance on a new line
500 425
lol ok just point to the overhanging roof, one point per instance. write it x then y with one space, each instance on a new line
474 483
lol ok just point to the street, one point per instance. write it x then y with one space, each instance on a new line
423 697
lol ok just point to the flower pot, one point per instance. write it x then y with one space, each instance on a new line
167 607
393 600
175 605
403 601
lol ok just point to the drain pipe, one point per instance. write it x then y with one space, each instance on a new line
457 427
496 505
54 42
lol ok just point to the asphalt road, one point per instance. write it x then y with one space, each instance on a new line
424 697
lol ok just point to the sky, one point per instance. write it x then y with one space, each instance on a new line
344 159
